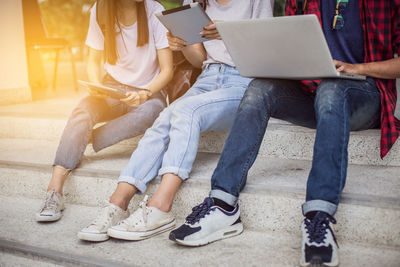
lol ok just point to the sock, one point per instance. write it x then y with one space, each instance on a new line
222 204
310 215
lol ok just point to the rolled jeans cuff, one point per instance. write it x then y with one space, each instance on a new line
319 205
182 173
67 165
135 182
226 197
62 165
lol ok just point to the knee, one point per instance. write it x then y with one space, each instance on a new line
153 108
182 111
329 97
163 119
260 93
84 112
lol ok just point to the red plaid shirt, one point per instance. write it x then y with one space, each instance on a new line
380 20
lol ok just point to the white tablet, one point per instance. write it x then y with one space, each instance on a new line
186 22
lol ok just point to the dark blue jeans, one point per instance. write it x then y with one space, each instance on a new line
338 106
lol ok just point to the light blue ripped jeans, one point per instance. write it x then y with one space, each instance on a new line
170 145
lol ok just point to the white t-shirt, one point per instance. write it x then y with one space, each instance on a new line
136 66
234 10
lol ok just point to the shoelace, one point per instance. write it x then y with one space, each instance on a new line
143 206
200 211
317 227
144 212
50 202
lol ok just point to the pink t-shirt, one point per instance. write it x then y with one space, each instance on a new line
136 66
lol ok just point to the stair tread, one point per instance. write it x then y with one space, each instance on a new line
249 249
46 119
267 172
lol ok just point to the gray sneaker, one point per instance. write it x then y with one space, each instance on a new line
51 207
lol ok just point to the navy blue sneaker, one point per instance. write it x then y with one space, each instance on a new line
207 223
319 247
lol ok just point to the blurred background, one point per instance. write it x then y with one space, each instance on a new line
54 32
69 20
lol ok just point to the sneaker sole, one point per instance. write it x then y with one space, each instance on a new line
135 236
92 237
230 231
319 263
48 218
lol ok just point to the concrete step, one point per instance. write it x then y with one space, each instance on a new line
45 120
369 212
24 242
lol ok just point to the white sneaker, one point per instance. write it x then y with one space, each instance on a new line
207 223
51 207
319 246
97 230
145 222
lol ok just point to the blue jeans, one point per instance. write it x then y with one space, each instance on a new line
123 122
338 106
170 145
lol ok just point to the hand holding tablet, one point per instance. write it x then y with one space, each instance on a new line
186 23
210 31
124 93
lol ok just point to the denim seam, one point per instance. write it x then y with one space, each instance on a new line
247 164
342 167
87 137
191 123
342 148
155 160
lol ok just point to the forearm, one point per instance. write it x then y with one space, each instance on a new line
93 72
93 65
195 54
388 69
162 79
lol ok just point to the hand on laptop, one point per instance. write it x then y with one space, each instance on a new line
210 31
347 67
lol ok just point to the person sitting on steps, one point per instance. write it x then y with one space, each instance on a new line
136 52
363 41
169 147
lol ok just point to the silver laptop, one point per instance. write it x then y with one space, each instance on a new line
291 47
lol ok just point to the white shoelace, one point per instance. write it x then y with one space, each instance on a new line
139 215
51 202
104 217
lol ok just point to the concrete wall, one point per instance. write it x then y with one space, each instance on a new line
14 85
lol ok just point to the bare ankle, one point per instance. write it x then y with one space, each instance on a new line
165 194
120 202
162 205
123 195
59 175
58 189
